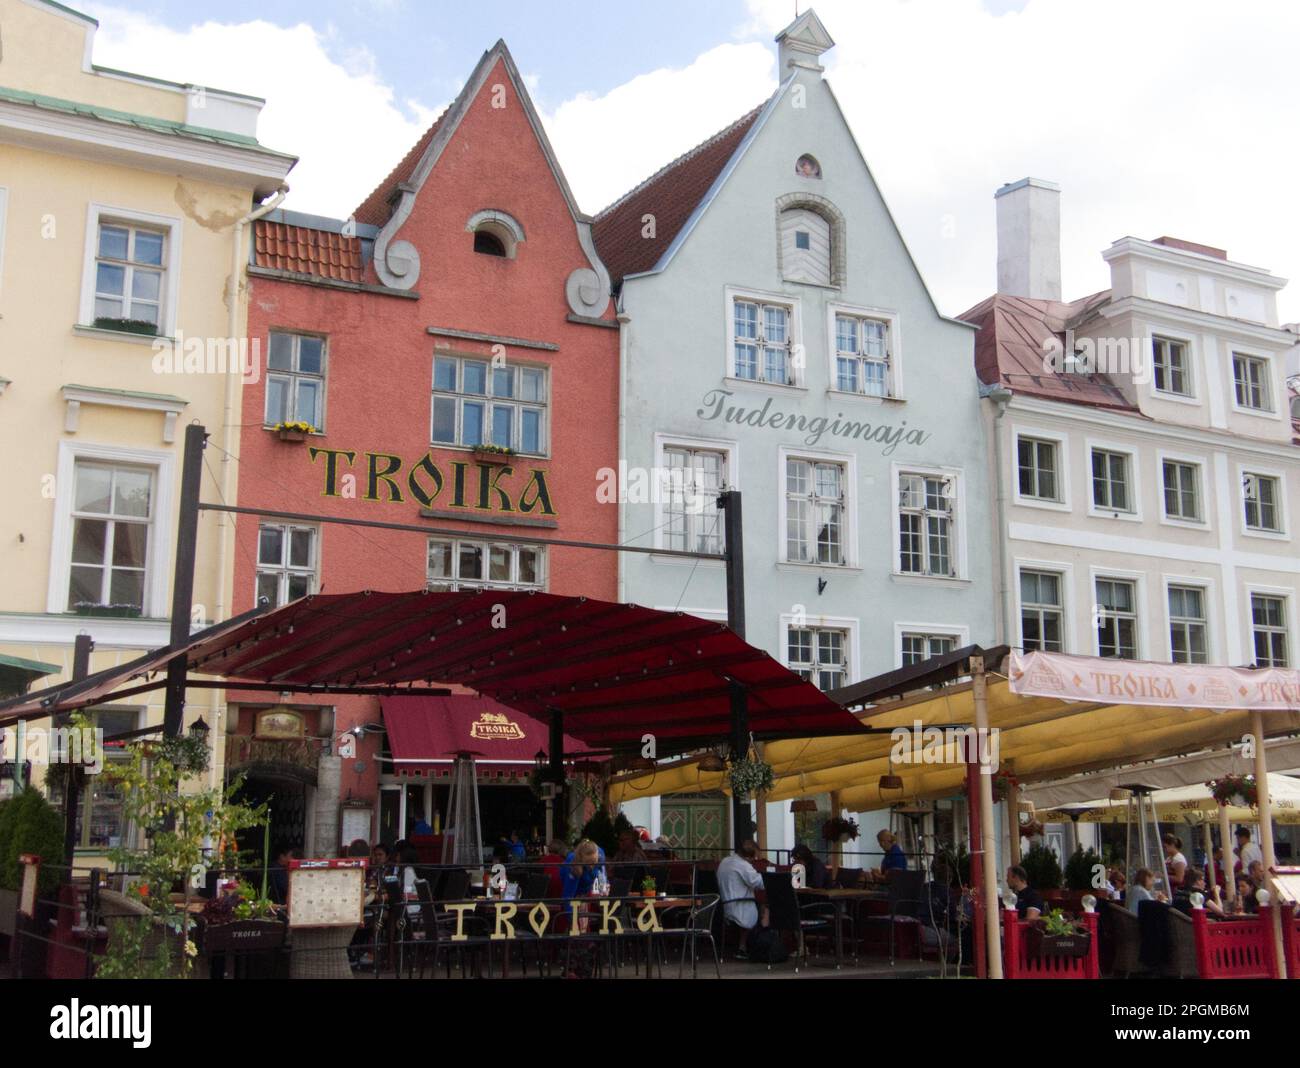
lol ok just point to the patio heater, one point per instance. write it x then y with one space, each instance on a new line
1142 813
462 842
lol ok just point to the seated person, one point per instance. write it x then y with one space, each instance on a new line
277 876
581 866
629 848
1142 889
1029 902
816 874
894 857
552 862
1246 901
1194 883
738 881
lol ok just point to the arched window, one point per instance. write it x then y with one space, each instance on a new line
486 242
810 240
495 233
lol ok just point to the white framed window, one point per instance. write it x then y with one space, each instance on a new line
763 332
131 272
927 521
1263 503
1252 382
1270 630
476 402
287 562
465 564
691 518
1181 489
111 542
1189 626
864 352
1042 610
918 645
1038 469
1113 480
295 379
821 649
1171 368
1115 614
101 821
816 499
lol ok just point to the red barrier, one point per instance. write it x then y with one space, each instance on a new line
1237 948
1018 963
1291 941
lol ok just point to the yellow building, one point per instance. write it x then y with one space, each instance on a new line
124 203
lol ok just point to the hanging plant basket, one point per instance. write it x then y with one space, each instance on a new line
1002 784
839 829
749 777
1238 790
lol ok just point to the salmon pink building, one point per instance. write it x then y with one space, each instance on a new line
446 357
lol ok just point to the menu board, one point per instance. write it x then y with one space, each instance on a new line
355 823
327 893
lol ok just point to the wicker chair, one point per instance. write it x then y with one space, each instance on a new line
1120 927
1182 948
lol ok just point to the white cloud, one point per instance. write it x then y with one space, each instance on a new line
338 116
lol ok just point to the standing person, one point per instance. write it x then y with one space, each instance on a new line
277 876
1175 862
1029 902
1247 851
738 880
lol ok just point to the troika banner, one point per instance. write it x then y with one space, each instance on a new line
1139 682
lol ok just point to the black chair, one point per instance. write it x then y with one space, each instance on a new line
785 914
455 885
535 885
850 878
906 890
620 887
699 925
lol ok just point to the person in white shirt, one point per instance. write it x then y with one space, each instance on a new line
1175 862
1247 851
738 880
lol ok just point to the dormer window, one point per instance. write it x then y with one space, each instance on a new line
810 235
495 234
488 244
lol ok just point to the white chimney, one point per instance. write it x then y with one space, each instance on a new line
801 44
1029 239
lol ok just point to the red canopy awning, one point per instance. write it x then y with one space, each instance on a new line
613 672
425 732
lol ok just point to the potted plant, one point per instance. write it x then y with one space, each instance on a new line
1002 783
297 430
486 453
648 886
107 611
1042 868
750 777
240 919
126 326
840 829
29 824
1237 790
1055 935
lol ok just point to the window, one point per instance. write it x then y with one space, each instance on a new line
107 827
286 562
814 511
1250 380
1169 366
471 565
1110 481
476 402
805 246
1268 628
1182 490
761 342
1187 625
112 519
495 233
692 519
1037 467
925 525
918 647
1261 494
819 655
130 265
295 379
1116 617
488 244
1041 611
862 356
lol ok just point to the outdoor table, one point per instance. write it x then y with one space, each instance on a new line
839 898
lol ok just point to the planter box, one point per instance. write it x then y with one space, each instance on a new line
486 456
243 936
1038 944
108 611
291 435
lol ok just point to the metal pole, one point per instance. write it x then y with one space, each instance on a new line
559 808
81 651
1266 836
187 537
1229 869
734 532
988 837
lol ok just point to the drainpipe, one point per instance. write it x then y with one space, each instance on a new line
226 521
1001 397
623 320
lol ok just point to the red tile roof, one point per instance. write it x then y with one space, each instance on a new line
374 209
1011 344
670 195
303 250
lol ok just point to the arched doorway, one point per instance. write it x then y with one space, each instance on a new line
286 790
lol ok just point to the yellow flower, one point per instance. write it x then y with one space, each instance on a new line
191 950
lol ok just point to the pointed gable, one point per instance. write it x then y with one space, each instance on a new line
376 208
671 196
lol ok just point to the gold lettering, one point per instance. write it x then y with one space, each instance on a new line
607 910
505 913
460 908
539 918
648 918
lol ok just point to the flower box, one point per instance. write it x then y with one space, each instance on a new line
286 434
499 457
107 611
1039 944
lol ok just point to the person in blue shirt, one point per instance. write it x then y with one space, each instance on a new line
895 858
585 861
518 850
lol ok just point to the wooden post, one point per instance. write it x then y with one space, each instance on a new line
1266 836
837 849
988 839
1229 875
1013 823
979 930
1210 867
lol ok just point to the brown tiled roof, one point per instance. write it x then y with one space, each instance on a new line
1010 346
670 195
303 250
374 209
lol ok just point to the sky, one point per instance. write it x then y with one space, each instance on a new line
1155 117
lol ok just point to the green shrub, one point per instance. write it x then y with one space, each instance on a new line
1078 869
605 831
1042 867
30 824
